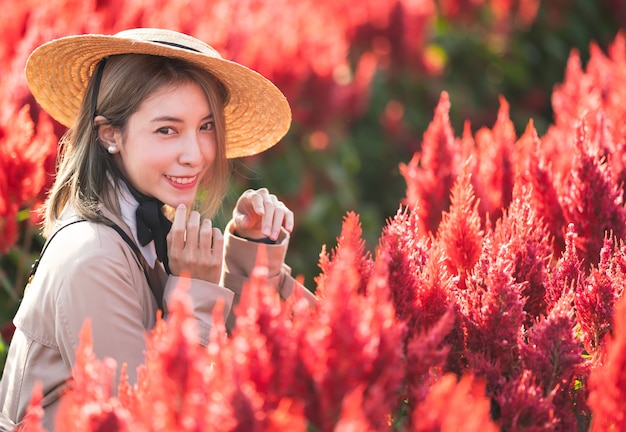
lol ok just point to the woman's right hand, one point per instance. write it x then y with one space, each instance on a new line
194 248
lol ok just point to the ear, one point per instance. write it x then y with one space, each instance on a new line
107 134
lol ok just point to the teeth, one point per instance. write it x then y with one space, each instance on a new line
182 180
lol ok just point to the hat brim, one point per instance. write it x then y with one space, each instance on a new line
257 115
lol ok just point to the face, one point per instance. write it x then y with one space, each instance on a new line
169 144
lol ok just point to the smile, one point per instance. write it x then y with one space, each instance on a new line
182 180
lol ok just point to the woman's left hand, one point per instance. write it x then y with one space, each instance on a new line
258 214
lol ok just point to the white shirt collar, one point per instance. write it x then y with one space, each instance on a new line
128 207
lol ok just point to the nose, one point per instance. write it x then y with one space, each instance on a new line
190 153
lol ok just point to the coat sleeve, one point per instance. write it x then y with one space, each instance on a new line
240 258
204 296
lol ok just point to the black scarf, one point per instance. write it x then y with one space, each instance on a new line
152 224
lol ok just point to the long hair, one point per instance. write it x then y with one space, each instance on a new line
87 173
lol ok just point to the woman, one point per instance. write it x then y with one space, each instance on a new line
153 116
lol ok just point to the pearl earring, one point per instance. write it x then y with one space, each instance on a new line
112 149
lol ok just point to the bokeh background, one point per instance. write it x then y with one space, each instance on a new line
363 79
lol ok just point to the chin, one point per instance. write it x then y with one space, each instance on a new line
175 202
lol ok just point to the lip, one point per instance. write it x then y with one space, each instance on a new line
182 182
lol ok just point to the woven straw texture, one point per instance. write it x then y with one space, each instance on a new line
257 113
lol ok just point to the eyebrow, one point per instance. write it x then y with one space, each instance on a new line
177 120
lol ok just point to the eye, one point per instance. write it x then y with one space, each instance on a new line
208 126
166 130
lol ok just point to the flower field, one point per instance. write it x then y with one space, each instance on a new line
492 298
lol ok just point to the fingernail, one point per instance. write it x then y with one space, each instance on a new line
266 231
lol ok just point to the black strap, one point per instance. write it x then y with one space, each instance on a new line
33 268
125 237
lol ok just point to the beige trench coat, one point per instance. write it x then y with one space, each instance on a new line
88 271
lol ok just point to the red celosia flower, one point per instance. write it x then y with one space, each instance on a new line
522 406
264 345
176 372
592 200
523 239
607 382
430 174
554 356
418 283
533 170
492 309
596 298
593 95
454 406
288 415
402 254
426 355
352 339
351 237
494 149
22 176
352 418
567 273
89 404
460 233
34 413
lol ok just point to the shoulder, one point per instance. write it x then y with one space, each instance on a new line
88 251
85 239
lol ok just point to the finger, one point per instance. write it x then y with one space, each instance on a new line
282 217
218 244
269 204
244 221
289 220
206 237
192 231
258 200
176 236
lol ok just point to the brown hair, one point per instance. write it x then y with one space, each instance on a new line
85 168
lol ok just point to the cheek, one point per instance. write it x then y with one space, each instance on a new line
147 163
209 151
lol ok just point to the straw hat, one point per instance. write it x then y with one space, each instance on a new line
257 113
